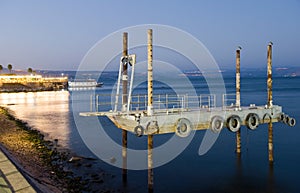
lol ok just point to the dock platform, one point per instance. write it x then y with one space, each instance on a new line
180 114
184 118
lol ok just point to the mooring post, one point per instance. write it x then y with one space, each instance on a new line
124 102
270 102
270 97
125 72
238 97
150 75
150 111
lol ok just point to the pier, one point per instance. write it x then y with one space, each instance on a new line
16 83
181 114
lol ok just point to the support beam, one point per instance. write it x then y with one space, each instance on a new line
124 103
238 97
270 103
150 75
150 163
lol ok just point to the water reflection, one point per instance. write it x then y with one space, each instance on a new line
271 180
46 111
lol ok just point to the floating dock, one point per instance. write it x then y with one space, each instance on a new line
160 114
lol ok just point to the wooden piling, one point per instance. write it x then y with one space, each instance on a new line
124 102
150 111
238 98
238 77
270 103
150 163
269 81
125 72
150 74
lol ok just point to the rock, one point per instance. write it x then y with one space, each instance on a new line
75 159
113 160
88 165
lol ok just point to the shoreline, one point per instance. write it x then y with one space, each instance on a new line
29 90
48 168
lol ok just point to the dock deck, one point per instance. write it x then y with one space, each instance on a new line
187 114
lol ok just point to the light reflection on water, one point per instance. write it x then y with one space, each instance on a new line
45 111
217 171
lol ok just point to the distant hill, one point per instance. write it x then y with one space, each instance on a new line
262 72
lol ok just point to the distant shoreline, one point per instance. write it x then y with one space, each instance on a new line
31 83
14 90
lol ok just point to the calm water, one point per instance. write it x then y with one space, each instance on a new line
217 171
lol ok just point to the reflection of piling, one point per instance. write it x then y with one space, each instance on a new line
150 74
150 163
270 143
124 102
239 169
238 141
124 155
269 83
271 180
238 98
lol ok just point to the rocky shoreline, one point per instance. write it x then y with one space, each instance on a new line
46 167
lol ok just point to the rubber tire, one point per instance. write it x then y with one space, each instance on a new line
252 121
286 119
213 124
282 117
230 123
291 122
139 131
267 118
183 122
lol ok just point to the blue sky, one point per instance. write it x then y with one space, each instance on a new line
55 35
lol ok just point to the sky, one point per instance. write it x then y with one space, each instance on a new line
57 34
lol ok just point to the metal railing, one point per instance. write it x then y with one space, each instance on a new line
207 101
166 102
229 101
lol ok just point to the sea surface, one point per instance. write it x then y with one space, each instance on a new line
219 170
